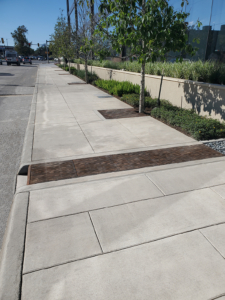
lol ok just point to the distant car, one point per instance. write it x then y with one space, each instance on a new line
0 61
40 58
21 58
27 60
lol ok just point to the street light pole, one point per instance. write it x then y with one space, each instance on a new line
47 50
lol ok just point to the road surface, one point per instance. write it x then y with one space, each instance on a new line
16 90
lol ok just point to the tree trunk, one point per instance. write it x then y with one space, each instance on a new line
142 89
86 70
92 24
69 66
76 31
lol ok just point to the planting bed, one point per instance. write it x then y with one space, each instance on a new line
121 113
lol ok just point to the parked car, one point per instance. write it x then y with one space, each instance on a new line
0 61
27 60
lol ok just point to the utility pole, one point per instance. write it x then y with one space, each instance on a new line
92 24
47 50
209 32
68 15
76 32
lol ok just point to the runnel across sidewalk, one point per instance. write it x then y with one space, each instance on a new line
45 172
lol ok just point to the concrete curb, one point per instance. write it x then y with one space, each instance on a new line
29 135
11 259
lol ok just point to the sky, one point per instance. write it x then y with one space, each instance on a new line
201 9
39 17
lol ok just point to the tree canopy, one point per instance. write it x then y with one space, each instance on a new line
21 41
150 28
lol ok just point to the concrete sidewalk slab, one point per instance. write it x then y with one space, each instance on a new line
110 135
183 267
54 116
216 236
76 198
153 132
58 241
189 178
86 117
63 254
59 140
144 221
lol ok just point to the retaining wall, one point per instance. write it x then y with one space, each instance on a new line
207 99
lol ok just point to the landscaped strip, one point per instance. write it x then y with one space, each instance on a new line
209 71
185 120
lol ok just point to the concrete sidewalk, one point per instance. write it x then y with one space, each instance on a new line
151 233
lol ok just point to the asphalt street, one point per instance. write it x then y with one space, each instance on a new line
16 90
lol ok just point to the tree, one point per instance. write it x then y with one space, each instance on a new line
21 41
151 28
61 45
80 42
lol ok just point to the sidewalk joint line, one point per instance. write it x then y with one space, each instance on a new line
100 208
210 241
112 177
131 132
75 119
23 255
95 232
156 185
122 249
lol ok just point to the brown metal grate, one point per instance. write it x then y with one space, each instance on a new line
121 113
119 162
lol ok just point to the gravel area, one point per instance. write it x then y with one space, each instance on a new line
218 146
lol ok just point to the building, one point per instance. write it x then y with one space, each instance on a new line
211 35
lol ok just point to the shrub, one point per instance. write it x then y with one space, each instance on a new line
118 88
81 74
209 71
133 99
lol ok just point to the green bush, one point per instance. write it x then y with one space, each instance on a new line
211 72
80 73
201 128
118 88
133 99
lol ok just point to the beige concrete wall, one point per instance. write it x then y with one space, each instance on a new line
206 99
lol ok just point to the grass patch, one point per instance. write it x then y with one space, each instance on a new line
200 128
118 88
